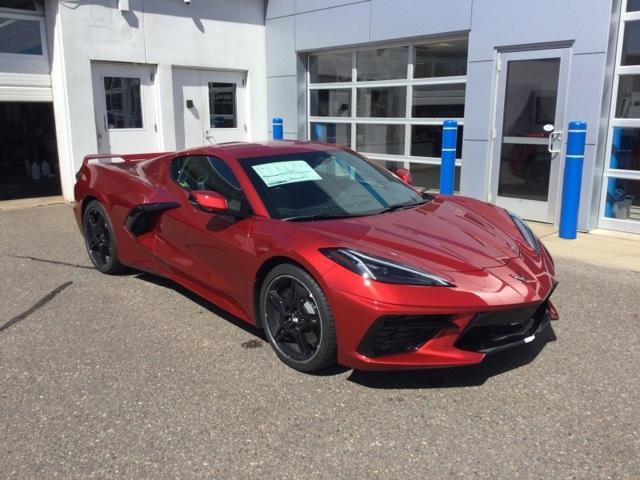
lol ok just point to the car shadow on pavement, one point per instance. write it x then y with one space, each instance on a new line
471 376
165 282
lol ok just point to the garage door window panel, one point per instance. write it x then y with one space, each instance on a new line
426 141
382 64
330 102
628 98
376 138
330 67
438 101
441 59
623 199
336 133
382 102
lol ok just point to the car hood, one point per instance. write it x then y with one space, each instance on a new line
442 235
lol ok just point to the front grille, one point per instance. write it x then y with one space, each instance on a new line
494 330
401 334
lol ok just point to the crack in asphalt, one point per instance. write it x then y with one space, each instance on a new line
54 262
36 306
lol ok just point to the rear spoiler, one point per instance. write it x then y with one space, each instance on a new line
117 158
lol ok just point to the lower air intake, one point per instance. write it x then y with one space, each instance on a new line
401 334
493 331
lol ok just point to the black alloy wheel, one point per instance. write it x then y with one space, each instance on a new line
100 239
297 319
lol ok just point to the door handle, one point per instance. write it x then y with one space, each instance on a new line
553 137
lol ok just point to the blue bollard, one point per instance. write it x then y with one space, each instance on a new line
448 164
572 180
278 128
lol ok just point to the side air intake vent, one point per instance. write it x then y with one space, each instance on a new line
142 218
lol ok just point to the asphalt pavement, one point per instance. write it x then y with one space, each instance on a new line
132 377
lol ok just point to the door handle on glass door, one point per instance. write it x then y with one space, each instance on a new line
553 137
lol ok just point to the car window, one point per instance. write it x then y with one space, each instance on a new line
200 172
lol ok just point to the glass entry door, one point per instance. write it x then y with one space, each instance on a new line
529 132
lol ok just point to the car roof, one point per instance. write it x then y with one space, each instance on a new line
241 150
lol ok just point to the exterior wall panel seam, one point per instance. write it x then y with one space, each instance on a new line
303 12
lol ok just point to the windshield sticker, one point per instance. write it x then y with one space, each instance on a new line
281 173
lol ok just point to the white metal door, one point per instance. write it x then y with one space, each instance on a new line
214 106
528 135
124 100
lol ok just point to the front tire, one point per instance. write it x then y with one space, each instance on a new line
297 319
100 239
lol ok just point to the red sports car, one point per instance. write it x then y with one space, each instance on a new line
336 258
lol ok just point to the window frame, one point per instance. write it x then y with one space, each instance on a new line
628 225
211 100
34 16
409 82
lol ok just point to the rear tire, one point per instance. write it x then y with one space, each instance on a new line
100 239
297 319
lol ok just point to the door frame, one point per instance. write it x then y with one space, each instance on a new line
150 119
530 208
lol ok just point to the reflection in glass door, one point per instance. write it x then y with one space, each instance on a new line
529 132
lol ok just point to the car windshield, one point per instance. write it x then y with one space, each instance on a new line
326 184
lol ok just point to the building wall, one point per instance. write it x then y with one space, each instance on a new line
294 27
220 34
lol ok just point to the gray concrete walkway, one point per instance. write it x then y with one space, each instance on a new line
599 247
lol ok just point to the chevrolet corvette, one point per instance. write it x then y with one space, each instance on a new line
337 259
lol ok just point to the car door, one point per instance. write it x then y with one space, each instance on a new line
206 248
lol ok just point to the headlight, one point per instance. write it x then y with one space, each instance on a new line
382 270
526 232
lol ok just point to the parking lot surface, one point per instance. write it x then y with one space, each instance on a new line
132 377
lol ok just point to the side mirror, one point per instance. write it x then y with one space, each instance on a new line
210 201
404 175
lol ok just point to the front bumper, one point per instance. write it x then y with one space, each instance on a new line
439 326
492 332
